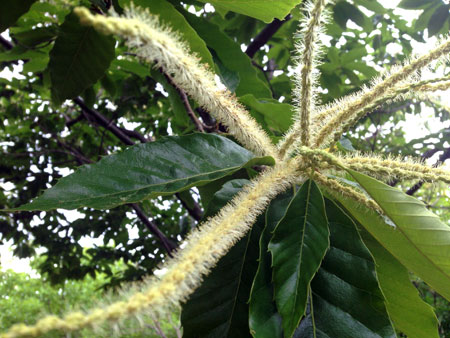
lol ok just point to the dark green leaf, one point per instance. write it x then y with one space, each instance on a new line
347 301
131 66
419 240
265 10
264 319
231 56
414 4
298 246
344 11
33 37
147 170
78 59
422 21
409 313
438 19
10 11
372 5
278 116
218 308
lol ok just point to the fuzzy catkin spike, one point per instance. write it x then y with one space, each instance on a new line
305 80
390 168
161 46
205 246
336 187
400 91
332 130
321 158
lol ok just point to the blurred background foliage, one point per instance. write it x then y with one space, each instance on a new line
55 116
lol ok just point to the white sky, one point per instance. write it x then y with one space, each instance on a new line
414 128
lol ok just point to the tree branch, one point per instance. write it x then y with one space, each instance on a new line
5 43
265 35
195 212
184 98
153 228
103 121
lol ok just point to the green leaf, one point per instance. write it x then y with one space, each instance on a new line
372 5
222 196
78 59
419 240
10 11
409 313
132 66
33 37
438 19
36 64
343 11
231 56
264 319
422 21
169 16
147 170
414 4
278 116
354 54
265 10
218 308
298 246
347 301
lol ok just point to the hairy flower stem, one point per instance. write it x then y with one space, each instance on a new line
418 87
205 246
333 129
335 187
305 79
168 52
393 169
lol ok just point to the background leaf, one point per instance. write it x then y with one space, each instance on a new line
264 319
10 11
298 246
347 301
147 170
438 19
218 308
231 56
265 10
277 116
78 59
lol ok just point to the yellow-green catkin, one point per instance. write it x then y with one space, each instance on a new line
390 168
321 158
204 247
308 50
165 50
403 91
335 187
338 122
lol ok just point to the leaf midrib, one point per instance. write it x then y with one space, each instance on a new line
302 244
239 283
